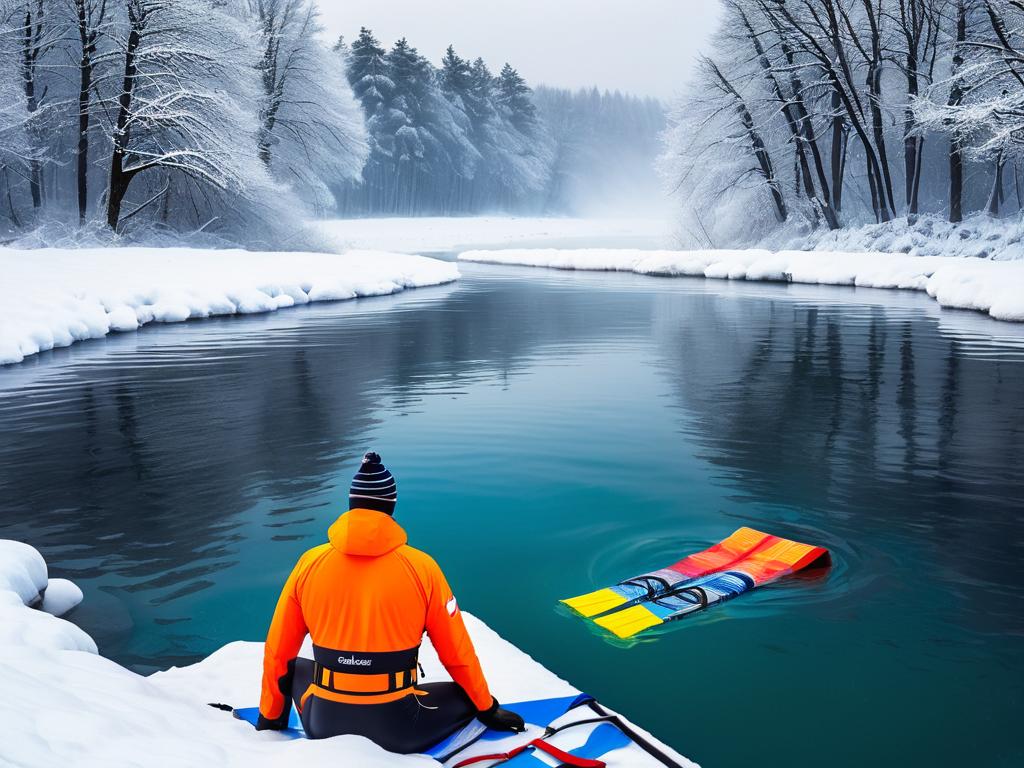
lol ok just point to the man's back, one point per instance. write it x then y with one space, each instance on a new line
365 590
365 598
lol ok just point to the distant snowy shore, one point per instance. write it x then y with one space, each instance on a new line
436 234
54 297
994 287
64 704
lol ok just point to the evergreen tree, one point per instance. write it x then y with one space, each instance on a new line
481 96
515 96
367 72
456 77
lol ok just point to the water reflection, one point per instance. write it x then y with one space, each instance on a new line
869 428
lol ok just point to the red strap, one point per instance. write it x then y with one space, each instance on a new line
502 756
543 746
565 757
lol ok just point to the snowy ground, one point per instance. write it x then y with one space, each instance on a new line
443 234
54 297
995 287
64 704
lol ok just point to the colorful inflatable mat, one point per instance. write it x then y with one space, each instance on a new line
745 560
572 731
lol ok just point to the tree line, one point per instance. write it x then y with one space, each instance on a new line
232 117
836 112
454 138
457 138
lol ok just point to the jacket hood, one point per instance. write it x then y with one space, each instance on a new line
366 532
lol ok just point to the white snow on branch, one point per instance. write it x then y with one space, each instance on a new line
53 297
995 287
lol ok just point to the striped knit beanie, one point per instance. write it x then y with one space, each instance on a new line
373 487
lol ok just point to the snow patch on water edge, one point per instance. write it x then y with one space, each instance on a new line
54 297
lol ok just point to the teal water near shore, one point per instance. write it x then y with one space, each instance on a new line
554 432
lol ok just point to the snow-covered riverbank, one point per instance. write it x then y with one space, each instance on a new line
54 297
64 704
995 287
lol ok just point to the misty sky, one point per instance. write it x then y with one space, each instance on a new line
643 46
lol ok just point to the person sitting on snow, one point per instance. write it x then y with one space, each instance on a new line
365 598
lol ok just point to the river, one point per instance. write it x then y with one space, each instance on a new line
552 432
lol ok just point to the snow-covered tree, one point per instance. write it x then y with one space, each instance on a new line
441 140
367 71
311 128
520 151
30 25
181 105
90 23
515 98
721 164
16 154
918 26
850 111
228 115
983 113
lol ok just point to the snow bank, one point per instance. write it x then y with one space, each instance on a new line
54 297
995 287
63 706
446 233
978 236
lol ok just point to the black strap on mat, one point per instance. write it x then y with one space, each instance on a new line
699 592
638 739
644 582
551 731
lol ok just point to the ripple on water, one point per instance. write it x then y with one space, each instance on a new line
841 583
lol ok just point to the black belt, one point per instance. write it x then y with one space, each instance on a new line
364 673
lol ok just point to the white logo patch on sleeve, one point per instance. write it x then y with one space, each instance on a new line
452 606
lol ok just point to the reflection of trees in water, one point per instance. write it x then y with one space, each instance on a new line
142 464
875 429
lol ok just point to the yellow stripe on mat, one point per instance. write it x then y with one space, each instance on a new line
629 621
596 602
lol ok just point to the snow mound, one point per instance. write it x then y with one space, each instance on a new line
65 707
54 297
61 596
994 287
25 586
22 571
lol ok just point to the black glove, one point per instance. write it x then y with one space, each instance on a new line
277 724
498 719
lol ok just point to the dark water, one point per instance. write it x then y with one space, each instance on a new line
553 432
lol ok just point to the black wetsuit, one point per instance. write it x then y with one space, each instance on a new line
411 724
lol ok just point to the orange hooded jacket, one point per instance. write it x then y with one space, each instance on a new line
365 599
